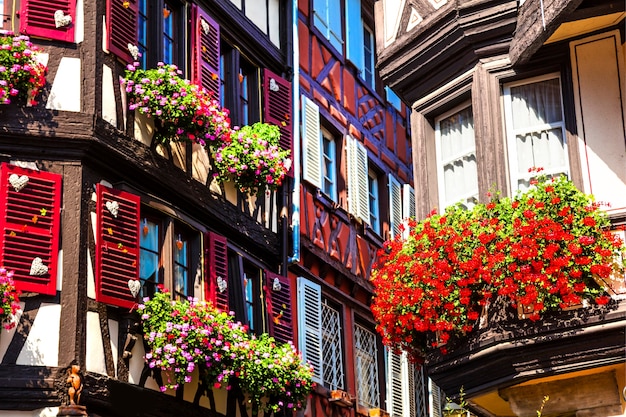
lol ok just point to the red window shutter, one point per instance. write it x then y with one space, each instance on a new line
37 18
117 246
206 56
122 27
277 106
278 296
216 267
29 227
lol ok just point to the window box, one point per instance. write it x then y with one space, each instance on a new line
341 398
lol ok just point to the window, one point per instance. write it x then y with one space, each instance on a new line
169 255
6 17
393 98
245 291
159 24
149 256
395 206
332 351
369 51
535 129
329 169
366 372
265 14
455 146
327 19
239 86
374 201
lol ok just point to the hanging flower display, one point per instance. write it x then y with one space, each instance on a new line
21 75
10 302
545 249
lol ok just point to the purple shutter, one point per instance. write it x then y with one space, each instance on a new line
206 56
122 27
117 246
278 298
216 268
37 19
277 107
30 204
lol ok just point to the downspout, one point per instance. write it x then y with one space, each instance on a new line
295 195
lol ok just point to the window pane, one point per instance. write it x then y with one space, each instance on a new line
366 367
328 165
368 56
536 103
142 34
331 348
181 266
169 20
374 205
457 158
149 257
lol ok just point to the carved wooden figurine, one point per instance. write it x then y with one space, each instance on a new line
75 384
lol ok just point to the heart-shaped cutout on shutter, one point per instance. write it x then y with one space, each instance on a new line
18 182
134 286
113 207
37 267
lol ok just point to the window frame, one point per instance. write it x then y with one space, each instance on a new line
372 359
232 63
374 200
371 68
511 134
444 200
322 12
151 23
329 163
336 368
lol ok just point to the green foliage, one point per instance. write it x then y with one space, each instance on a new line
21 75
10 302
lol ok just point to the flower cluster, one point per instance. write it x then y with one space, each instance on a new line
184 335
10 299
182 111
545 249
274 376
253 158
21 75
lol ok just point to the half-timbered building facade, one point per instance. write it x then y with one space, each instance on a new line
96 215
496 88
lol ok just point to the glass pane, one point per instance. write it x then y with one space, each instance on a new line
181 267
168 34
149 257
331 348
367 368
142 32
536 103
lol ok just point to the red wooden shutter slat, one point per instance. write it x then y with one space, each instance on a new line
117 246
216 267
121 27
29 227
206 45
277 107
279 306
37 19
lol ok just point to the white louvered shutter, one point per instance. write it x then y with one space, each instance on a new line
395 206
358 184
394 388
310 325
311 143
408 207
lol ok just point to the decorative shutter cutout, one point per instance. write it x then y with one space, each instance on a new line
122 27
117 246
277 103
278 298
37 18
310 325
206 43
395 206
29 226
216 267
311 143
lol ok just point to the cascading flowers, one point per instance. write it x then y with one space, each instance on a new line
21 75
545 249
182 111
253 158
185 335
10 302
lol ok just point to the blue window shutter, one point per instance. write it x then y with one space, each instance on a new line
310 325
334 23
354 33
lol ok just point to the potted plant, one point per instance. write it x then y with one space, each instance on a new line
10 302
21 75
182 111
252 158
542 250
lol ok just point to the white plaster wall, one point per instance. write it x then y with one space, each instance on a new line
91 276
94 359
392 13
597 65
114 335
66 87
42 344
109 112
79 22
41 412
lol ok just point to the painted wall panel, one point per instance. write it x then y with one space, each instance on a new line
598 72
109 106
66 87
94 360
42 344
